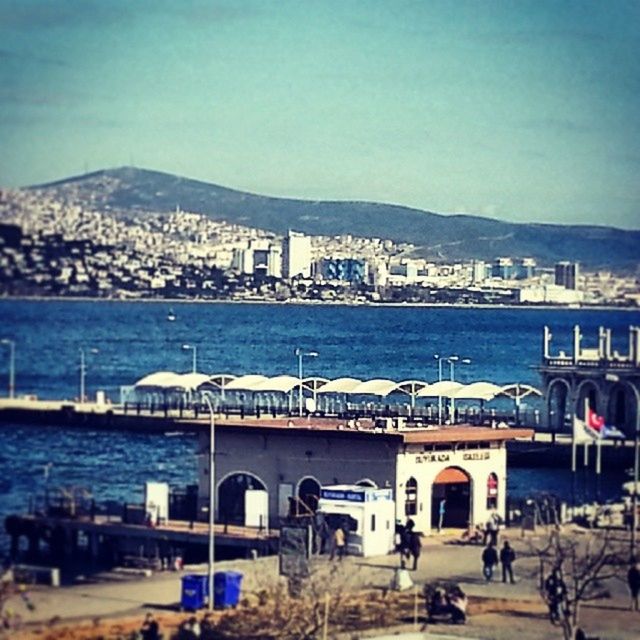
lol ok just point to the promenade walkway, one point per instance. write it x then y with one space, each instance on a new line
440 560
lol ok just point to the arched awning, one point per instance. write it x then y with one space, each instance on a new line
166 380
445 389
340 385
478 391
189 381
451 475
157 380
377 387
245 383
281 384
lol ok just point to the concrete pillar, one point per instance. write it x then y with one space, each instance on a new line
576 343
546 342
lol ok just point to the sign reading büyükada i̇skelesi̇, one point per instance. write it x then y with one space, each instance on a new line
446 457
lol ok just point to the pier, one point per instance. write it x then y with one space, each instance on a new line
108 541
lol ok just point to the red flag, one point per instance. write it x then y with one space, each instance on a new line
594 420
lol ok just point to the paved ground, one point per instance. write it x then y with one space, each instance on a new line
440 559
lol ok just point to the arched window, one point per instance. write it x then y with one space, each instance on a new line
492 491
411 497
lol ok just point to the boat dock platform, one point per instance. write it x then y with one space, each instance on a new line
107 541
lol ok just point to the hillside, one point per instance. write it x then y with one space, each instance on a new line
437 236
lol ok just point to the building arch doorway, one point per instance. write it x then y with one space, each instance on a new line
308 496
231 498
453 486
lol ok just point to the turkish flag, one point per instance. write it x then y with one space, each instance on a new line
594 420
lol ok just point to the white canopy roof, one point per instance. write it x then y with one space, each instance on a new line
283 384
190 381
340 385
171 380
245 383
375 387
478 391
158 380
444 388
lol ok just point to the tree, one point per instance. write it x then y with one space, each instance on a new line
573 568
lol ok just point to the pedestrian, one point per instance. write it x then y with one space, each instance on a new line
150 629
556 591
339 544
491 532
441 509
414 546
489 560
507 556
633 580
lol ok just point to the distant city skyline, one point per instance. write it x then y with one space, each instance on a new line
521 111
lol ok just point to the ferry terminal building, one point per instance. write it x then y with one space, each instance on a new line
287 462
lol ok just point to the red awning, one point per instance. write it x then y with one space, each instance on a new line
451 475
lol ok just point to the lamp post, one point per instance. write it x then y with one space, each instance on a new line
212 488
194 360
439 359
83 370
452 360
12 365
301 354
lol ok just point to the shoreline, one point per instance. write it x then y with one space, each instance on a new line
324 303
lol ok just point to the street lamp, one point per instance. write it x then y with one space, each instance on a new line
439 359
301 354
212 488
452 360
83 371
12 365
194 348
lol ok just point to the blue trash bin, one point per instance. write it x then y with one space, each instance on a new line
226 588
195 588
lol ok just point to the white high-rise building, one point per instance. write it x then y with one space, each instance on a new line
479 271
296 255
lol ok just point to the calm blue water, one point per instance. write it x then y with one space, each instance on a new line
134 339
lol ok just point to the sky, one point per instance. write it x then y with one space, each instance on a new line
516 110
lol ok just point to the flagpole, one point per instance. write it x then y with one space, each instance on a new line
585 471
573 464
598 466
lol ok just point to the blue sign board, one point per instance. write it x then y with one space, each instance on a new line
355 495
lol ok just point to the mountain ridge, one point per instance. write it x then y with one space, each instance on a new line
465 236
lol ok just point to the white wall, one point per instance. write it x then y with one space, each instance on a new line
425 466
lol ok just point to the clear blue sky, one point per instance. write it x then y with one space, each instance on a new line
525 111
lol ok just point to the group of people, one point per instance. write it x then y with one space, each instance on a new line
506 558
484 534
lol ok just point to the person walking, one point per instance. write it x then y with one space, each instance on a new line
507 556
441 511
633 580
339 544
489 560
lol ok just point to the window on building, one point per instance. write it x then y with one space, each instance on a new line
411 497
373 522
492 491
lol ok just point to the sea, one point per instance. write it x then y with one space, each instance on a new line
124 341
